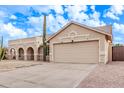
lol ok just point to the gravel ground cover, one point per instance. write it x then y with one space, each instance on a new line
105 76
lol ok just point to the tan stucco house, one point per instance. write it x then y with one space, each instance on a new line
77 43
26 49
74 43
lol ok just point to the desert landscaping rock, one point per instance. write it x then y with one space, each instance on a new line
105 76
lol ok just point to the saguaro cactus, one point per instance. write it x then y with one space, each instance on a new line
44 39
2 50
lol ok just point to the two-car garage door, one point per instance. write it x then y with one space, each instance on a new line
79 52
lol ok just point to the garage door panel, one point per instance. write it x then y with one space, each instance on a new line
81 52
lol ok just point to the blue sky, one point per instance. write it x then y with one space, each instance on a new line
26 21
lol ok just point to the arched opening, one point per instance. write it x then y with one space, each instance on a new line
40 53
30 53
21 54
12 54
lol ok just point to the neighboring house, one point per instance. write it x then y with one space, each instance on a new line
26 49
77 43
74 43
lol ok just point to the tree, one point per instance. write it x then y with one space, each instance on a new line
118 44
44 39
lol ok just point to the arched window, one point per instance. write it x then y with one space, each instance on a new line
12 54
40 53
30 53
21 54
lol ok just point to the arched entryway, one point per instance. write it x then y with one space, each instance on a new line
12 54
21 54
30 53
40 53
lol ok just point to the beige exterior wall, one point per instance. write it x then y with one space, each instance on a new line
106 51
78 33
25 43
110 52
107 28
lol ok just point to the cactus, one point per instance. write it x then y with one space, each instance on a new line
2 50
44 39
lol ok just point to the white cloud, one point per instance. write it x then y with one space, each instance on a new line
117 9
95 15
74 11
58 9
36 22
46 9
94 20
32 32
92 7
78 13
78 8
118 32
118 28
9 32
61 20
13 17
42 9
114 12
111 15
12 31
55 23
37 26
94 23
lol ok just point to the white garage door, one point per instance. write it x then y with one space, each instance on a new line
80 52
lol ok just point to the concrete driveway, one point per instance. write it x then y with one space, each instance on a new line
48 75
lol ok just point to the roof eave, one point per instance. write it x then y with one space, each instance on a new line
72 22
